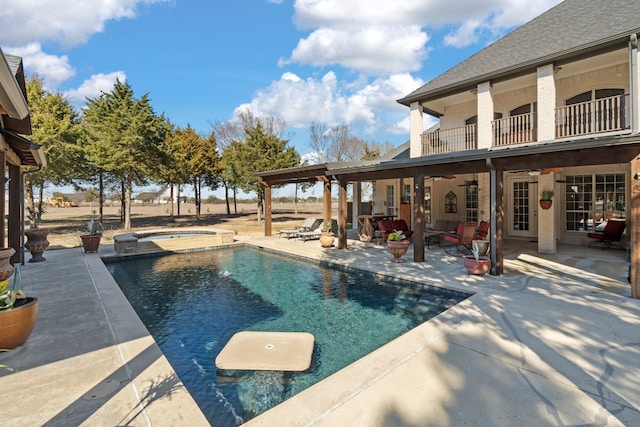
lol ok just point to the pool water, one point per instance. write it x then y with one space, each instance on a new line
193 304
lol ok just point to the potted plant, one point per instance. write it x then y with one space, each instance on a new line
91 240
327 237
37 241
17 315
477 264
545 199
398 245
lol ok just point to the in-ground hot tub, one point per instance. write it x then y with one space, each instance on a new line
170 240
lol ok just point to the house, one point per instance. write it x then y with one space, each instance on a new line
162 196
552 106
17 151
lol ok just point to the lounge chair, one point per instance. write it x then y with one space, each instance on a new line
611 234
308 225
311 234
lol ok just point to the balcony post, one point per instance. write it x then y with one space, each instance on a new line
545 121
415 132
485 115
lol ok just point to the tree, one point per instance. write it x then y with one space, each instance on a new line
55 126
173 170
235 131
259 152
319 141
201 157
126 138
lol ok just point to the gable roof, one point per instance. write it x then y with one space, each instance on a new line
568 30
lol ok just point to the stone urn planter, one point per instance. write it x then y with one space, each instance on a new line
37 243
398 248
327 239
477 266
6 269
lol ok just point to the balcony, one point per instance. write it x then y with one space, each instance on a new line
597 116
449 140
514 130
586 118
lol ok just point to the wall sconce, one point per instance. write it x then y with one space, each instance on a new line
534 173
636 176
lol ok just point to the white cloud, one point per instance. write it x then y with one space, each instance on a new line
465 35
67 22
93 87
392 36
370 49
362 105
50 68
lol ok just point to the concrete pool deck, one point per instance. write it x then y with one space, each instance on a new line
554 341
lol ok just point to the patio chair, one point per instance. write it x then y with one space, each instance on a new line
401 224
459 243
385 227
482 231
308 225
611 234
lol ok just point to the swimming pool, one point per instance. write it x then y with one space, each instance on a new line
193 303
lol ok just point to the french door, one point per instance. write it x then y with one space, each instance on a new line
523 208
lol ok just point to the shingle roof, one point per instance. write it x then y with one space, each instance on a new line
568 29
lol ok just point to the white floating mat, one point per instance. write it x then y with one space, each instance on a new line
267 351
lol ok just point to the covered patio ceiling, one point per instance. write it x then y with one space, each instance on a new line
595 151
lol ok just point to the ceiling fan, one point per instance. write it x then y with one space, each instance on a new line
543 171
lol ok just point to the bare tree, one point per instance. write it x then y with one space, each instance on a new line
319 141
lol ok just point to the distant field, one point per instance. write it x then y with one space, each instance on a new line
67 224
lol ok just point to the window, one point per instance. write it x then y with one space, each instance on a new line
591 200
471 200
427 204
390 198
406 193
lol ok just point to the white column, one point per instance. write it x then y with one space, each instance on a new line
634 75
357 191
547 217
485 114
415 132
546 117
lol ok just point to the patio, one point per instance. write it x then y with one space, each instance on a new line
552 341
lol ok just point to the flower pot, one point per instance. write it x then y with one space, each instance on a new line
17 323
545 204
326 240
37 243
477 266
90 242
6 269
398 249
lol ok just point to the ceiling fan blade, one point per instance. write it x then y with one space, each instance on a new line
546 171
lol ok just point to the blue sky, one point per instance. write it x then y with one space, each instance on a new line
331 61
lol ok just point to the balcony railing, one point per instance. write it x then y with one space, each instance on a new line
514 129
449 140
600 115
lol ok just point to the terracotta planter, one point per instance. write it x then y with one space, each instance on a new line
477 266
545 204
6 269
17 323
326 240
37 243
90 242
398 249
